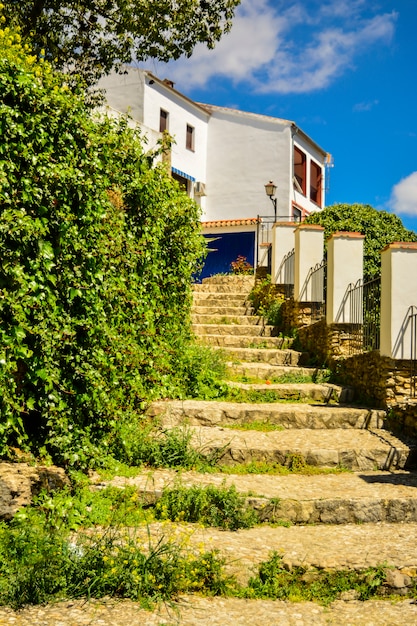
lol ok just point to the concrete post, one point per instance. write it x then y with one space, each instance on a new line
309 246
398 293
283 241
344 266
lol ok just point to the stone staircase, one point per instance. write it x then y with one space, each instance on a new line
313 423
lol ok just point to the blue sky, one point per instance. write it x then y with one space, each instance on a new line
345 71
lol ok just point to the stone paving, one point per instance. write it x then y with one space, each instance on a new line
198 611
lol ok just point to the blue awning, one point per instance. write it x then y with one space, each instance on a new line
183 174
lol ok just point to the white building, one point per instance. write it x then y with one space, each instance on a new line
223 158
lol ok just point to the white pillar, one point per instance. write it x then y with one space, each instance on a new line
398 293
283 239
309 247
344 267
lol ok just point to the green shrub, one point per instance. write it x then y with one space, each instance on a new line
38 565
210 506
143 443
98 249
201 370
309 584
267 301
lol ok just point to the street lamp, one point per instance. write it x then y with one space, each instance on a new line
270 189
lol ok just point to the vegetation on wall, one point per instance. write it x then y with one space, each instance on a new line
93 37
379 227
98 247
267 301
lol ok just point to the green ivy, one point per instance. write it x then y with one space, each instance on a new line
98 249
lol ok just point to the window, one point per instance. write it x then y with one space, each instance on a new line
315 183
163 120
182 181
300 171
296 214
189 141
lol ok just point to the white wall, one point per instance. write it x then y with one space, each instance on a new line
245 151
124 92
142 96
235 153
398 293
181 112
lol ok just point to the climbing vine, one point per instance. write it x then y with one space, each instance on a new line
98 247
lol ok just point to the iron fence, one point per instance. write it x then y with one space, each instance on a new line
412 321
314 291
265 224
318 275
285 274
365 315
318 278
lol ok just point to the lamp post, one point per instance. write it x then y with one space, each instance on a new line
270 189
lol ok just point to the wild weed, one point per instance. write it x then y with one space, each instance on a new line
210 506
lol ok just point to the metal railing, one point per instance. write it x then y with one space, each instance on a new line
412 321
365 315
265 224
318 280
314 290
318 275
285 274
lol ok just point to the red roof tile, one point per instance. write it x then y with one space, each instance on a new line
249 221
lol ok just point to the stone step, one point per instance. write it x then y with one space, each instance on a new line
212 311
350 448
226 319
192 610
230 279
325 547
220 300
225 288
324 392
226 283
265 371
241 341
288 416
347 498
270 356
234 330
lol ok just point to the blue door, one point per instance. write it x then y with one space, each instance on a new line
226 248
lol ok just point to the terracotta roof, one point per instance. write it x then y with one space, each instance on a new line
250 221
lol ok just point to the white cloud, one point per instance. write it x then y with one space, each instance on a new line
249 45
277 47
404 196
360 107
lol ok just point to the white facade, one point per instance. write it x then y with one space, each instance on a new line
233 153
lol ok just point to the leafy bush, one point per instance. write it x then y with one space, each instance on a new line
98 250
143 443
267 301
211 506
305 585
241 266
201 370
39 565
379 227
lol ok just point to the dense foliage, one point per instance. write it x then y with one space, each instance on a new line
379 227
91 37
98 248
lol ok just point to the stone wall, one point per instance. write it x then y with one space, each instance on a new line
299 314
20 482
376 380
